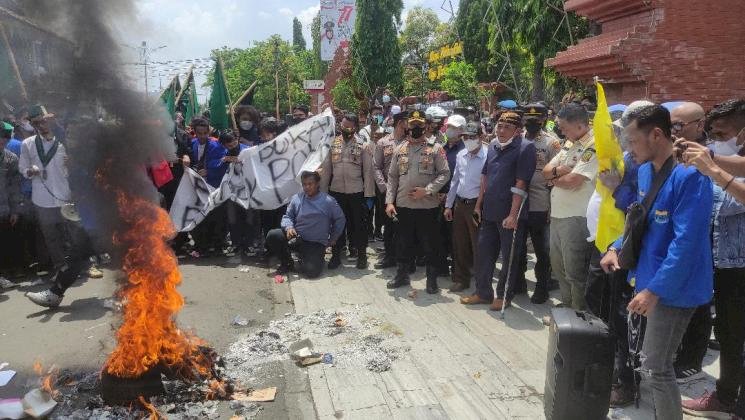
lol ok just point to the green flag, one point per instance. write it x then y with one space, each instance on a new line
186 101
220 100
168 97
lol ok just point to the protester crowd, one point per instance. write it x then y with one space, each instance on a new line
455 194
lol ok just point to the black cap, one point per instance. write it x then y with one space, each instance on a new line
535 110
473 128
403 115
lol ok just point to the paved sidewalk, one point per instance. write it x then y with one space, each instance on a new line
464 362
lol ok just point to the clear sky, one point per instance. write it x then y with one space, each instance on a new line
191 29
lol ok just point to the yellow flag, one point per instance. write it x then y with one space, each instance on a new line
610 158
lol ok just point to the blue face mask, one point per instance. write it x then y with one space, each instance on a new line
386 98
379 119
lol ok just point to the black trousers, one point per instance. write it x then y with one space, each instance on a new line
271 219
418 227
390 229
311 253
729 328
538 229
598 291
380 216
356 211
696 339
446 238
243 225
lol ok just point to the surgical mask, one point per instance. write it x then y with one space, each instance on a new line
247 125
416 132
386 99
532 127
726 148
505 144
451 133
379 119
472 144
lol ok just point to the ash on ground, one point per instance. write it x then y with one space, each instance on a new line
352 337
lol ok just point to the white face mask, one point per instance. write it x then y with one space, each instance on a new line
472 144
247 125
726 148
505 144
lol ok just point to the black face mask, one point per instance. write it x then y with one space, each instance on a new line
234 151
532 127
296 121
416 132
347 134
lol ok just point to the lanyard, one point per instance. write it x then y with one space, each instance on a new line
46 157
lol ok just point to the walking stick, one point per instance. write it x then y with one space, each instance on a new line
524 195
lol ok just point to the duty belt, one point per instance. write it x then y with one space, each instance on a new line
467 201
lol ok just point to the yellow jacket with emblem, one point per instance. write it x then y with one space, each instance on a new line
349 168
417 164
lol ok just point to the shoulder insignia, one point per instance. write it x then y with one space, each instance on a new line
587 155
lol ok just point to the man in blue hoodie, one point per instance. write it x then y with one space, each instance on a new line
672 276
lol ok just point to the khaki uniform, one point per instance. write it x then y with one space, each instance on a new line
382 160
547 146
570 252
349 167
417 165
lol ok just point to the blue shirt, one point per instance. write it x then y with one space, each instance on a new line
466 181
503 167
451 153
213 154
14 145
728 231
676 260
625 193
315 219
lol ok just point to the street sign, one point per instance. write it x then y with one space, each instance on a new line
313 84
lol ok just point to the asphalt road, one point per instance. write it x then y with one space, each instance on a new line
80 333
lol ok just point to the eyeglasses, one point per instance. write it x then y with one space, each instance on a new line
679 126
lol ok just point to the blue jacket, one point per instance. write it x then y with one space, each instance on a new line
676 261
625 193
318 219
728 230
214 152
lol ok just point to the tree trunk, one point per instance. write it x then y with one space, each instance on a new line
538 94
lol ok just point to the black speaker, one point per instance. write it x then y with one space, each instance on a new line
579 367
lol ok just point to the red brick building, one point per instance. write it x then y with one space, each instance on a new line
662 50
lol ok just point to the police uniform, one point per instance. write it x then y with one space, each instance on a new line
417 163
348 175
568 242
382 161
547 145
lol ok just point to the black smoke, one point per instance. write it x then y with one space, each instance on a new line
109 157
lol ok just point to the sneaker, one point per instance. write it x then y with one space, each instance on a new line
620 396
94 272
687 374
708 406
6 284
46 298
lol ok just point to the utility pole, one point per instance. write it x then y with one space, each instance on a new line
276 75
144 59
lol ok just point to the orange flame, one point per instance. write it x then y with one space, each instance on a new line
48 378
149 336
154 414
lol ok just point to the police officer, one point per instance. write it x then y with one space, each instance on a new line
418 171
382 160
547 145
349 176
510 164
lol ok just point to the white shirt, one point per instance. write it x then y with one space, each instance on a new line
466 181
56 171
593 215
200 150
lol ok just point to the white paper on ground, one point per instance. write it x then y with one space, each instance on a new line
38 403
11 409
6 376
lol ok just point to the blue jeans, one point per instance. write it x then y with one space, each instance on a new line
665 328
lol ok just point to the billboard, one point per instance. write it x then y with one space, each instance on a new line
337 26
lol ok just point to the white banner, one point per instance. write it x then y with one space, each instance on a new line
265 176
337 26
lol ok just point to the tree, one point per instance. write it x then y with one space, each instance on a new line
320 67
344 95
474 33
444 34
298 40
418 35
376 54
460 82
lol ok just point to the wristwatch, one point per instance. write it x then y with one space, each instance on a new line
612 248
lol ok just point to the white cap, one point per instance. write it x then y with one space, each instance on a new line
456 121
395 109
436 112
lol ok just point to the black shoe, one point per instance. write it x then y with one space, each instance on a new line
334 262
285 268
362 262
421 261
378 236
521 287
412 268
539 297
352 252
714 345
385 263
401 279
458 287
443 271
433 290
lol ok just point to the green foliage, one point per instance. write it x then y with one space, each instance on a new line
460 82
344 95
258 63
417 38
376 53
474 33
319 67
298 40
